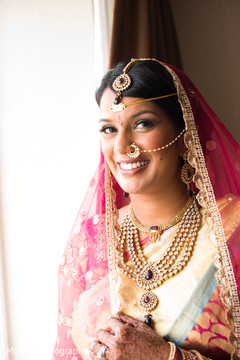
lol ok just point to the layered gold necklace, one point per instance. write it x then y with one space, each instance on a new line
149 274
154 231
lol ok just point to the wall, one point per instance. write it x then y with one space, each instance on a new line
208 35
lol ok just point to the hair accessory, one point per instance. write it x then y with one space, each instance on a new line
187 173
173 351
137 151
121 83
102 352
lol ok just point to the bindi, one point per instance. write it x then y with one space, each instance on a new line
119 120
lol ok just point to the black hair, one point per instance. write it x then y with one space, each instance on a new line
149 79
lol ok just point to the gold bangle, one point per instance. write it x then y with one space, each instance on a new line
173 349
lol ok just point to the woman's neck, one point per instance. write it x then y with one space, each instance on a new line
161 207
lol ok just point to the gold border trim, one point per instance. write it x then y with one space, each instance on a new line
111 236
206 198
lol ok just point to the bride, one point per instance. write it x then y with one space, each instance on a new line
151 270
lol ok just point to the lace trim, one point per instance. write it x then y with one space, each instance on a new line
206 198
111 236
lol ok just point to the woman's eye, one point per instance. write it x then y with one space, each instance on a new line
144 124
108 129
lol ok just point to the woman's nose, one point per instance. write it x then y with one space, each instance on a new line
122 143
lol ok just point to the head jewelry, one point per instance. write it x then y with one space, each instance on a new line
122 83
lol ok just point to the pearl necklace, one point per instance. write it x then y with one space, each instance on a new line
148 274
155 231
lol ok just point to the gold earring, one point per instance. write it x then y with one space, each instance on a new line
136 152
187 173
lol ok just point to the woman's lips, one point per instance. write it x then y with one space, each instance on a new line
132 167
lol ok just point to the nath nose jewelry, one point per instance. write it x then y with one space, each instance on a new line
137 151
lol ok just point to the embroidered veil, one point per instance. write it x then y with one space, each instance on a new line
88 276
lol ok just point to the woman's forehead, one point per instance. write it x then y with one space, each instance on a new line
109 96
133 110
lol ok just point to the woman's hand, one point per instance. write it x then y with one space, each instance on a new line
129 339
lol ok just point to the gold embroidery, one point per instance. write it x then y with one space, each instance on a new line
111 236
211 323
206 198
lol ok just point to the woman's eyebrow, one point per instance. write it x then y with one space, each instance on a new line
143 112
103 120
133 116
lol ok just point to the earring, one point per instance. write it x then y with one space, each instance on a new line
187 173
136 152
125 194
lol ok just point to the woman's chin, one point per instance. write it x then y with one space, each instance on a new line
134 190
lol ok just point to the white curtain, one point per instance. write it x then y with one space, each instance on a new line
3 308
103 11
49 67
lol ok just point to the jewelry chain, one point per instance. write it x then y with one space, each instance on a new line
148 274
173 221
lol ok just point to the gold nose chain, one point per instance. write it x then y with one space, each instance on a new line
150 275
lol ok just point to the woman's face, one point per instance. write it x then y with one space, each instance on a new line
147 126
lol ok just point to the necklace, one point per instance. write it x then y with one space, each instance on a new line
154 231
149 274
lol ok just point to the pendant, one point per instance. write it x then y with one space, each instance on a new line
155 232
148 320
149 277
148 301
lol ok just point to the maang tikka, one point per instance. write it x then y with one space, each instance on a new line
122 83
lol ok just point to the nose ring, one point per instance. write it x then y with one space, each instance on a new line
135 153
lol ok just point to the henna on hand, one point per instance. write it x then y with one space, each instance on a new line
129 339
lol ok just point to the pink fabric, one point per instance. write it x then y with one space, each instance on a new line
85 264
234 249
213 331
